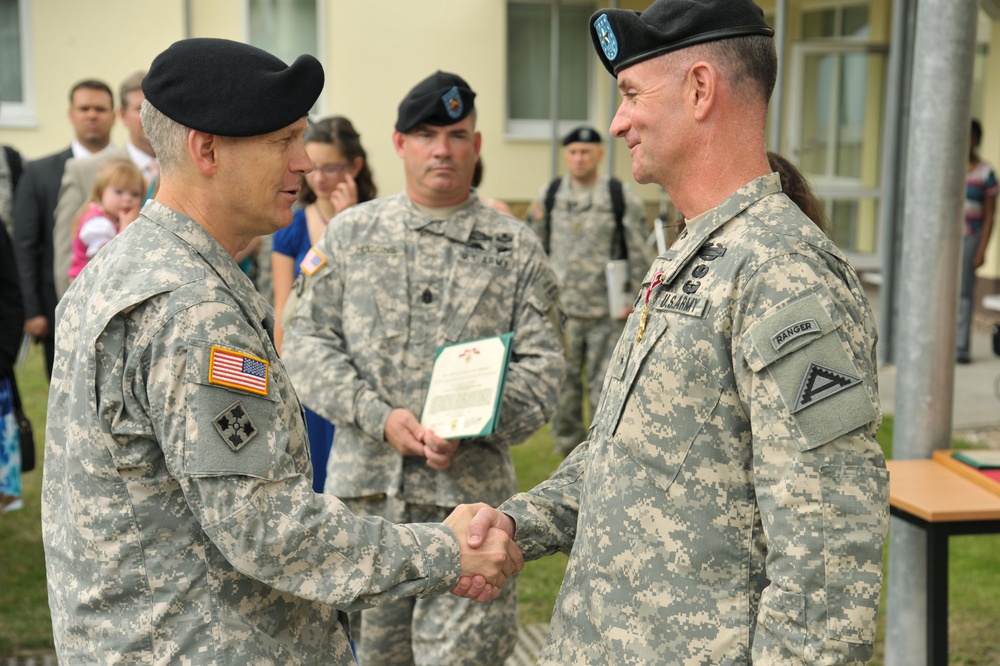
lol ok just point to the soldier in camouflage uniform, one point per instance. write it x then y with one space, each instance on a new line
580 235
178 517
731 503
390 281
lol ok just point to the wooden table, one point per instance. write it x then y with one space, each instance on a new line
942 502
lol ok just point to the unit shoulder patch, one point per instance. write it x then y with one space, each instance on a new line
821 382
235 427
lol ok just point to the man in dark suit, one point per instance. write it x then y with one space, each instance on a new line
79 176
91 113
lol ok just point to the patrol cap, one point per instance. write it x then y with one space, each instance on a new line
229 88
582 134
440 99
624 37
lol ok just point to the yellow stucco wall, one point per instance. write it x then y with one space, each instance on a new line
71 41
373 52
990 148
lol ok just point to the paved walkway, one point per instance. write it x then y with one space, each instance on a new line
976 398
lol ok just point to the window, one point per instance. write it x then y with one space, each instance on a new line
286 28
834 129
17 103
529 75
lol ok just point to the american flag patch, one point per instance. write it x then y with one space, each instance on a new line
238 370
312 262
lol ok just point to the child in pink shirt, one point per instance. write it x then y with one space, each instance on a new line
114 202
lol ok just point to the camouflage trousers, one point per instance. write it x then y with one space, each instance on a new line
437 630
589 345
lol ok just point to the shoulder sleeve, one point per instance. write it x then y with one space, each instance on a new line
537 359
805 370
232 434
992 186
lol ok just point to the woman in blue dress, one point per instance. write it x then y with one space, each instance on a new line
340 178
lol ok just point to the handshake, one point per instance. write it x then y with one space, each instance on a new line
489 555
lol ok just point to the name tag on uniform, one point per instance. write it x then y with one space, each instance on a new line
793 332
683 304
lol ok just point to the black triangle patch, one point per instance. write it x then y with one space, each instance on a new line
820 383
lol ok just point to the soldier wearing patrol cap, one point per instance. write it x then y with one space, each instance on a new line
731 503
584 221
391 281
178 517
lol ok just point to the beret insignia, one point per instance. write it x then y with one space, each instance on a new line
609 43
453 103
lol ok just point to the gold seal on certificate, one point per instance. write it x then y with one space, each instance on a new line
466 387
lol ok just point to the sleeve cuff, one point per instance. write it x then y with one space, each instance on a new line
372 416
440 555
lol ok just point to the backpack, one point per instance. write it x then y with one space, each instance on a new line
619 250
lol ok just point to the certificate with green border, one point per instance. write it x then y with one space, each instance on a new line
466 387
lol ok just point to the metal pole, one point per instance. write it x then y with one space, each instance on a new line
937 158
554 89
894 129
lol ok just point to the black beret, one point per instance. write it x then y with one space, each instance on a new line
229 88
440 99
582 134
624 37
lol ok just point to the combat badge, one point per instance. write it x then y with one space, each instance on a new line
234 426
820 383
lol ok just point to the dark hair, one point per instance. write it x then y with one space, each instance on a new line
795 185
977 131
91 84
340 133
477 172
750 60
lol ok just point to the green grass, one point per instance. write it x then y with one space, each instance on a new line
24 615
25 628
538 583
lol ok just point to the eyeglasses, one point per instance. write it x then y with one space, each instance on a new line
329 170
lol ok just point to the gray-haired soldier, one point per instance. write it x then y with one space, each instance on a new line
731 503
390 281
178 516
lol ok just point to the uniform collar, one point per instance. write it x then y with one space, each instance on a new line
192 233
704 225
457 226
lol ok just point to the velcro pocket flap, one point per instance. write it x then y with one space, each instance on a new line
792 327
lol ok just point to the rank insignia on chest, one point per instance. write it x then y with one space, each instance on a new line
312 262
237 370
234 426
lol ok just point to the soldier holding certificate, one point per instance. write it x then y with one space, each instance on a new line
390 282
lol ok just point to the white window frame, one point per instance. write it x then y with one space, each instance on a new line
23 114
541 129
